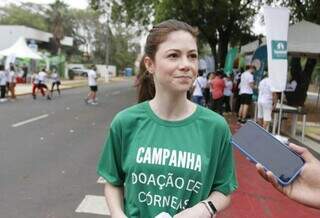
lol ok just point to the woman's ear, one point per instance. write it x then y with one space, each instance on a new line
149 64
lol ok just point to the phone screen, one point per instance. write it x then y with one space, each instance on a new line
260 146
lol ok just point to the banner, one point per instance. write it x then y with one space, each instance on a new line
260 61
277 23
231 56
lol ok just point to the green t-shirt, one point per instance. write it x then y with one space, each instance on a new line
167 166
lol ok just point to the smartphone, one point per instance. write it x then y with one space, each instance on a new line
261 147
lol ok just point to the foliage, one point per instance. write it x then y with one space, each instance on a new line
26 14
124 52
57 15
219 22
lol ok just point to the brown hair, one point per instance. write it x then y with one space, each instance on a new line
157 35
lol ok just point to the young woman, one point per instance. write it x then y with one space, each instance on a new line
167 156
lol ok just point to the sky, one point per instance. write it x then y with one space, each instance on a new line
80 4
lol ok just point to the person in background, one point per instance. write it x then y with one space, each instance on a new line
42 76
246 90
167 156
305 189
36 85
227 93
93 86
217 86
55 81
235 90
25 73
267 101
3 84
12 82
198 88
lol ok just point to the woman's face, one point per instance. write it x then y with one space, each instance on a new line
175 65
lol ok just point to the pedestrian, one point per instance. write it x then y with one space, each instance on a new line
217 86
36 85
246 90
227 93
25 73
198 88
235 90
3 84
266 102
93 86
167 156
42 77
55 81
305 189
12 82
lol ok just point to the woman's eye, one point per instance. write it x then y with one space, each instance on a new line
193 56
173 55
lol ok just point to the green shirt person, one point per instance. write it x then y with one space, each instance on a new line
166 156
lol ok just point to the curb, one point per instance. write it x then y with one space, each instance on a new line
80 83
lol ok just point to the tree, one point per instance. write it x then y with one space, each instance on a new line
27 14
57 18
219 22
124 51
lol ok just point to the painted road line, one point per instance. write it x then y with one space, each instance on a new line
101 180
30 120
93 204
115 93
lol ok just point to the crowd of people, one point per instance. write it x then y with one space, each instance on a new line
45 81
9 79
233 92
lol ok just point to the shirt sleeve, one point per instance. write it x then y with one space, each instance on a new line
251 78
110 164
225 180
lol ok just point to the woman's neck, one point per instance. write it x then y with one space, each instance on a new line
172 108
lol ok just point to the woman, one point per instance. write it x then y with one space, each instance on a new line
167 156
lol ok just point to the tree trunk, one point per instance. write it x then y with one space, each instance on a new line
224 38
302 77
213 45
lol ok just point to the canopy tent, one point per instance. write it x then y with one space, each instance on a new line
303 38
20 50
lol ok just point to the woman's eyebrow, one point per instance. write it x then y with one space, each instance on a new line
178 50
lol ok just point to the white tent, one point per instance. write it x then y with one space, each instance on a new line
303 38
20 50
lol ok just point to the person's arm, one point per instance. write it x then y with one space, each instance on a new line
274 100
114 198
305 189
219 200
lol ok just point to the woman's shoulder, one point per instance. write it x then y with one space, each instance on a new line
210 117
130 114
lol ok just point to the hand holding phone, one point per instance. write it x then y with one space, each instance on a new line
305 189
262 147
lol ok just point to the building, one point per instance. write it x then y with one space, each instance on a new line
35 38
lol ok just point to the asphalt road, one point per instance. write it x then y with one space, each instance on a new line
48 163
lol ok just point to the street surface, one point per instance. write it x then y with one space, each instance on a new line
49 152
